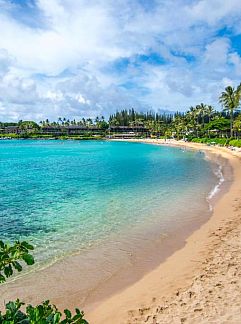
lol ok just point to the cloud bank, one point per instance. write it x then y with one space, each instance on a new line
86 58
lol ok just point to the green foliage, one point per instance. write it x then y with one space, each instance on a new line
230 99
41 314
10 258
218 141
236 143
237 124
11 255
9 135
205 140
221 124
28 124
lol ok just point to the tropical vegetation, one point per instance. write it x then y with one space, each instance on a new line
12 258
200 121
230 99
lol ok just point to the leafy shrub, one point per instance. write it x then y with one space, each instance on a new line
11 257
10 135
219 141
206 140
236 143
41 314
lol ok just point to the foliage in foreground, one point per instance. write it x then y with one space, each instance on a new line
41 314
11 257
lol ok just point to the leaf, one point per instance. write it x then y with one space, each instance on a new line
28 258
76 317
8 271
1 245
67 313
77 311
27 245
17 266
2 278
56 318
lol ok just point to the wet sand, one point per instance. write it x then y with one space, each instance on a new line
199 283
124 298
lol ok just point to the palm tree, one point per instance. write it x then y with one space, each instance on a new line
97 121
193 116
89 122
179 126
202 111
83 121
209 111
230 100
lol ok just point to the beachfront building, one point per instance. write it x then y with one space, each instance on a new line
10 130
70 130
54 130
127 131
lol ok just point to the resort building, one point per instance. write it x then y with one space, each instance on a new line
70 130
127 131
10 130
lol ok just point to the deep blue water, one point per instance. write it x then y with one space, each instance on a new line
68 196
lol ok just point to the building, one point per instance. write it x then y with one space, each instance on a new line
70 130
10 130
81 130
128 131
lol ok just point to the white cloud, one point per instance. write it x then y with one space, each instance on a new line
216 53
235 59
61 66
213 12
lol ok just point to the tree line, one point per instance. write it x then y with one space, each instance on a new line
201 120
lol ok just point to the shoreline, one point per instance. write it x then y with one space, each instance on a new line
141 301
111 292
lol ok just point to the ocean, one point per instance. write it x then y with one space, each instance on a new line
74 197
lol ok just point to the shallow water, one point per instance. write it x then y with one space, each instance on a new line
73 196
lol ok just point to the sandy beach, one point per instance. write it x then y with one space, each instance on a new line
200 283
197 281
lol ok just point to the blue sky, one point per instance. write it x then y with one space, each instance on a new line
86 58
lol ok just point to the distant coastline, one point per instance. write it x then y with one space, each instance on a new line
201 124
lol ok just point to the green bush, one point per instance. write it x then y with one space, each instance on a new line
11 257
236 143
41 314
219 141
206 140
9 135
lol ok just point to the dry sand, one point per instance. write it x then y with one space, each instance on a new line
199 283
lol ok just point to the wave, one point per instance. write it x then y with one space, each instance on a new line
219 174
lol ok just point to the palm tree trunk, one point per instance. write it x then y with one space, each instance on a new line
231 123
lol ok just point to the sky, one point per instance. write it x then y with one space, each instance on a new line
87 58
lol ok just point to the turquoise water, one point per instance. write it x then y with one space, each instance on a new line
71 196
